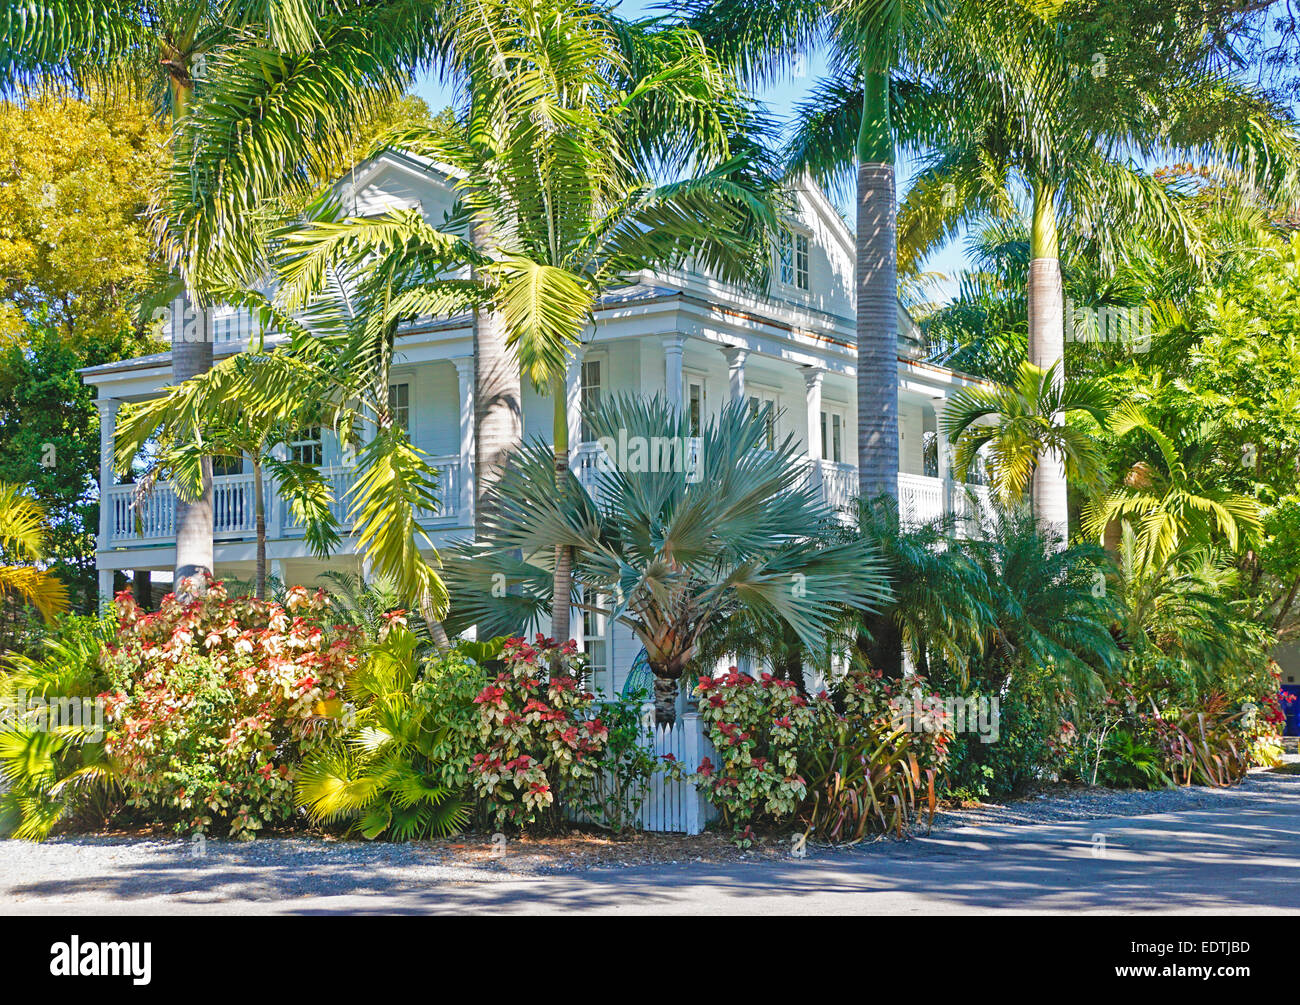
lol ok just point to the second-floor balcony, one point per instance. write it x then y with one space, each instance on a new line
136 518
149 518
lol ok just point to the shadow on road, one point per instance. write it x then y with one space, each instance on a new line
1242 853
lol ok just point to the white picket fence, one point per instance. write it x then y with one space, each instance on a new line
676 806
671 804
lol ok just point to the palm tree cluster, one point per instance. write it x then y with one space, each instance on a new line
586 148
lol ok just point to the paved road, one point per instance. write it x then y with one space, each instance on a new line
1240 856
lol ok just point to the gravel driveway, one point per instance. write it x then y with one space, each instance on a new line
1196 848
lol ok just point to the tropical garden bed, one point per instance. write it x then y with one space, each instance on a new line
1134 653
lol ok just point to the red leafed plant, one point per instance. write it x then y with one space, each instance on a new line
838 765
541 737
212 703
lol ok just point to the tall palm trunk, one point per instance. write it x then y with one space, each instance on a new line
1046 348
498 408
562 583
877 296
259 513
191 355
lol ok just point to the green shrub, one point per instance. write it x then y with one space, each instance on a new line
212 703
1026 751
539 738
615 794
838 765
401 772
56 773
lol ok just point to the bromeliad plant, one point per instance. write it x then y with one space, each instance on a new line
211 704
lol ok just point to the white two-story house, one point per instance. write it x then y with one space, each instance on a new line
688 336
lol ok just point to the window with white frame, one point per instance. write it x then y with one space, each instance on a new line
793 259
595 643
696 404
833 429
590 395
305 447
399 405
765 404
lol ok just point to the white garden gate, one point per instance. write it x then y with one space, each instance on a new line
676 806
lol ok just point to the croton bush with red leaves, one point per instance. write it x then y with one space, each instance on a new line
213 702
837 764
757 728
541 737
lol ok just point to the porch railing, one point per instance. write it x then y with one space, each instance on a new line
150 518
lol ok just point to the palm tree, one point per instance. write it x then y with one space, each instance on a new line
1182 609
327 67
1048 612
570 126
1029 105
22 539
1173 503
196 420
1022 424
940 609
868 39
668 548
336 354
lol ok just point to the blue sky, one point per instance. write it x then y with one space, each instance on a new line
781 97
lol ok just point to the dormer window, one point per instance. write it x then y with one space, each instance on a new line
792 259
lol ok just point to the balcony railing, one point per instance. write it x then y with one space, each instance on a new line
150 519
920 498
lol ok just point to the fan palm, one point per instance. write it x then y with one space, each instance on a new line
22 539
1173 503
54 771
388 777
327 65
1021 424
868 40
670 547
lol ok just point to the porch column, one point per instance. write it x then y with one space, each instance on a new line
105 589
465 497
107 432
943 452
812 382
674 347
736 372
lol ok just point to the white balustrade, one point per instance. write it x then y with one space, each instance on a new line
920 499
149 518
